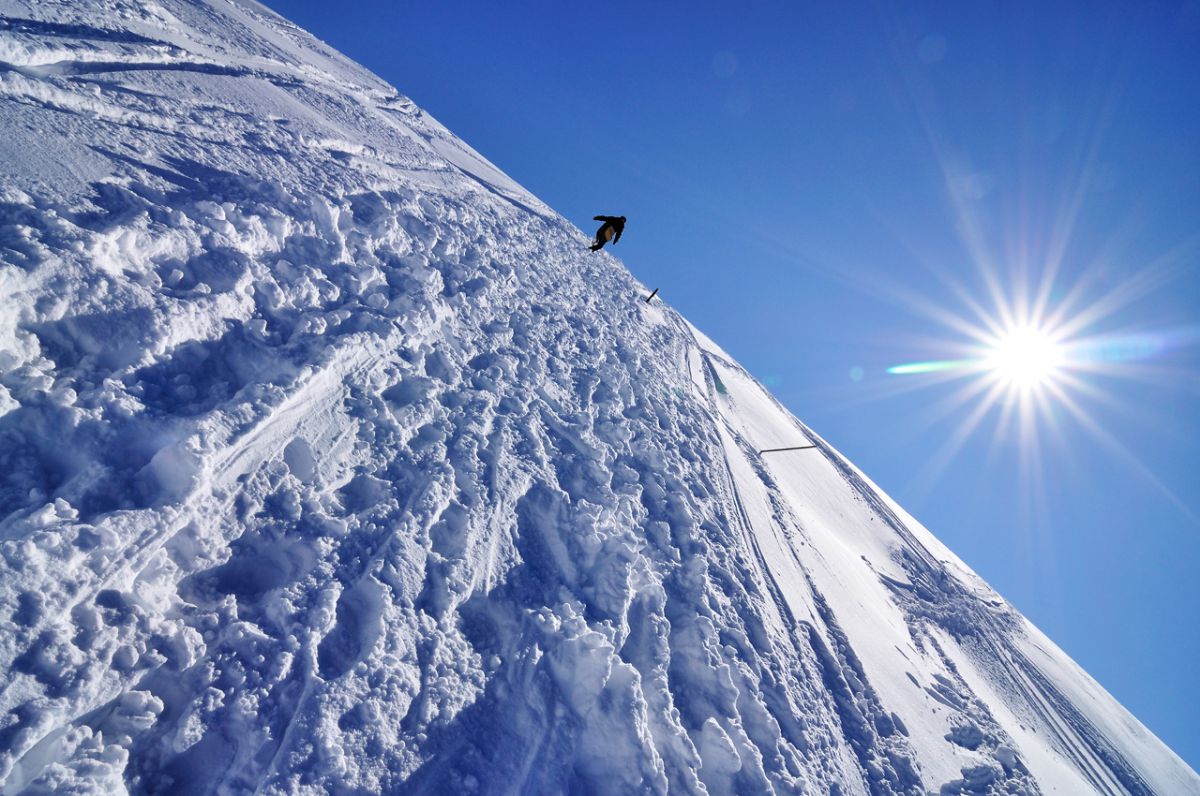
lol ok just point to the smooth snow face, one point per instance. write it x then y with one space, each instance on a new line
332 461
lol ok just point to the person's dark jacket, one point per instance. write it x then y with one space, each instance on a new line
615 223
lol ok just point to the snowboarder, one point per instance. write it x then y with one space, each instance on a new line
611 230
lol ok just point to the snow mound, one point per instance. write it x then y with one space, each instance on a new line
332 461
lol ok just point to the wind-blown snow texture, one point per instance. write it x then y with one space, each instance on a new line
332 461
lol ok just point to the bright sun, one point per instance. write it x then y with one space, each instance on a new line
1025 358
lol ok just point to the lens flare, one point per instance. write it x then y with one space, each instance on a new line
1025 358
929 367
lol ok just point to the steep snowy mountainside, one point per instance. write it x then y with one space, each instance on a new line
332 461
901 599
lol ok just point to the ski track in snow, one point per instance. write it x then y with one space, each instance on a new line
331 461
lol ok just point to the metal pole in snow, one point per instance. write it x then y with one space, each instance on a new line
797 448
652 295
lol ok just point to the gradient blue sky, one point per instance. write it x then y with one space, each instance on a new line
811 184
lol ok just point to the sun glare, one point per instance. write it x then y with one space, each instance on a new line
1025 358
1035 320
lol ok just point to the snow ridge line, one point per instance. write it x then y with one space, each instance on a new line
857 730
896 770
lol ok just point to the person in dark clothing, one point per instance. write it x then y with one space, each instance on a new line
611 230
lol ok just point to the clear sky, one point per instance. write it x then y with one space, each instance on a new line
830 190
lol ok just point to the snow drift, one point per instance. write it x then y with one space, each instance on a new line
332 461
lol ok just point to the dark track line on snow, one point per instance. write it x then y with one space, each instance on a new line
37 27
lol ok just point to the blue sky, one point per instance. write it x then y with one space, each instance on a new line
824 189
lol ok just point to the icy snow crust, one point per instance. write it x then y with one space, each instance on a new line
331 461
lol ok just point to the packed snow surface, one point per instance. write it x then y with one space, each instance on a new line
332 461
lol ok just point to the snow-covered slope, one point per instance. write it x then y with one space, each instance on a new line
332 461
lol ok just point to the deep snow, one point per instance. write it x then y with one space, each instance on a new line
332 461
